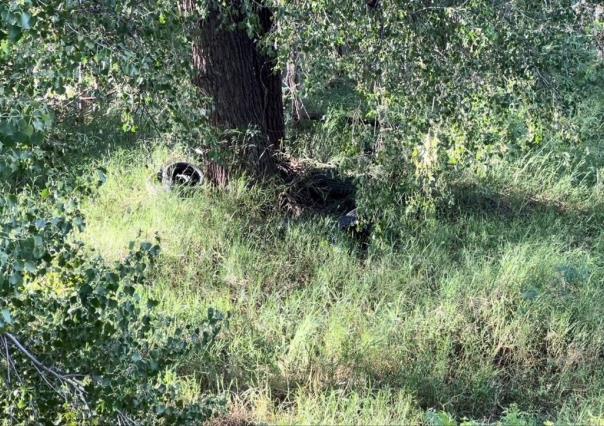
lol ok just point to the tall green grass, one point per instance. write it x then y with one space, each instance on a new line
494 312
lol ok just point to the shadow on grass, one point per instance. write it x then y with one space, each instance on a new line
80 146
514 210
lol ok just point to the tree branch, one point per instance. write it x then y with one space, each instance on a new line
44 371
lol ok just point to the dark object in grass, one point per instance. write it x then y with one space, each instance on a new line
315 189
352 224
180 174
349 221
359 231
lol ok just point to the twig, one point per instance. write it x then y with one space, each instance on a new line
42 369
8 360
123 419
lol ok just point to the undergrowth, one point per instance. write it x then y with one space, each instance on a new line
489 312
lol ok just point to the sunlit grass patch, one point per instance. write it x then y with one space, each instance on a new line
490 313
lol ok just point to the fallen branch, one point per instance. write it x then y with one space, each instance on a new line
44 371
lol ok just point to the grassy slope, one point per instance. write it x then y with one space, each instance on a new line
495 312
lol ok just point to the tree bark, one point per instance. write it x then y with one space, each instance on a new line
243 84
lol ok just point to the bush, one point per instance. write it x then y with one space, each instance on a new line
79 340
445 86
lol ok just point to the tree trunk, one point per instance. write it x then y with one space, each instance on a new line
244 86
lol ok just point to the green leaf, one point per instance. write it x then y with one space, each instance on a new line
38 241
28 130
45 194
7 319
25 21
39 252
14 33
30 267
7 129
85 290
15 279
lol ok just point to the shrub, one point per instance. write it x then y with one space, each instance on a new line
79 340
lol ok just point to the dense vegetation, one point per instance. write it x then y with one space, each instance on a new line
470 292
